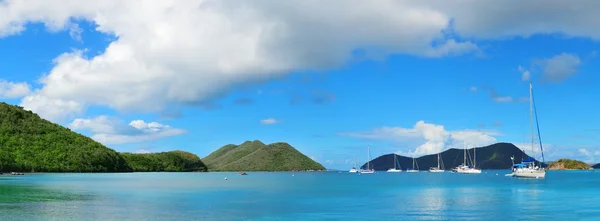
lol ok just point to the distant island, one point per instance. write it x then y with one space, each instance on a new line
256 156
568 164
29 143
495 156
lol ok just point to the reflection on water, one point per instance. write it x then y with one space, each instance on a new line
305 196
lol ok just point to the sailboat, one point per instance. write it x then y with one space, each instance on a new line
354 170
413 170
437 169
464 168
528 168
395 169
368 170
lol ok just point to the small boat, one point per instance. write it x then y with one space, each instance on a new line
353 170
368 170
464 168
528 168
395 169
437 169
242 173
413 170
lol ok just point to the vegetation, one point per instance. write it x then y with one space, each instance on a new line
568 164
495 156
172 161
29 143
256 156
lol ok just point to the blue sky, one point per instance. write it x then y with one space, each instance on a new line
413 85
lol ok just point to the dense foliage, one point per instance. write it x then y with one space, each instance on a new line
495 156
568 164
256 156
172 161
29 143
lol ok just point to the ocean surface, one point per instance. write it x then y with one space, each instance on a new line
563 195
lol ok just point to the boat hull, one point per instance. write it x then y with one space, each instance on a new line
412 171
367 171
436 171
530 173
394 171
353 171
469 171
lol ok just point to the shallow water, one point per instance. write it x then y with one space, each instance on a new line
563 195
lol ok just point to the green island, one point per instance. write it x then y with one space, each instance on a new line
568 164
29 143
257 156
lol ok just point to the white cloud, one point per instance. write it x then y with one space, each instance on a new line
107 130
269 121
428 138
525 74
75 32
560 67
13 90
220 44
55 110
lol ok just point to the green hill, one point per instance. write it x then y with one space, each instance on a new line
495 156
172 161
29 143
256 156
568 164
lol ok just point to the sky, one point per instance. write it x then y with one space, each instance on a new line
330 78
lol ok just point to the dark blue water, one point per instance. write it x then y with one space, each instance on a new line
563 195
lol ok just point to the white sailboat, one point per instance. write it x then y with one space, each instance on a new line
368 170
354 170
395 169
413 170
437 169
528 168
464 168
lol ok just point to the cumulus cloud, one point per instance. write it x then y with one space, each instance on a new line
219 44
110 130
158 48
55 110
428 138
525 74
13 90
560 67
269 121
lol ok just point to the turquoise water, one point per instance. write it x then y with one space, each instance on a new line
563 195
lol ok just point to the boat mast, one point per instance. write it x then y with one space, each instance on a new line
531 115
369 158
537 126
438 161
395 161
475 157
465 154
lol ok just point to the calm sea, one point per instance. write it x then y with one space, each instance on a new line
563 195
